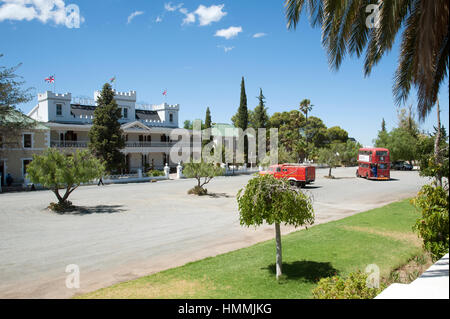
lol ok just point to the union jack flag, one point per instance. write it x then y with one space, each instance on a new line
50 79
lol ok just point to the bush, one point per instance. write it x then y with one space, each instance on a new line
197 190
433 225
352 287
61 207
155 173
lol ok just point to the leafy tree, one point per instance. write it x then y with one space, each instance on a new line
337 135
57 171
11 95
426 155
316 131
188 125
382 140
274 201
433 225
349 154
106 135
406 121
11 92
289 125
199 171
424 52
402 145
331 156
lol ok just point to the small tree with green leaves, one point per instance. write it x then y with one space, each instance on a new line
56 171
433 225
331 156
203 172
274 201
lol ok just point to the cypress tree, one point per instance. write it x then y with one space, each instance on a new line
260 117
383 126
106 135
242 115
208 118
242 118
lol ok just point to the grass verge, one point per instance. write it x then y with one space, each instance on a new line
381 236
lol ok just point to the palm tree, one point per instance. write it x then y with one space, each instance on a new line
305 107
424 53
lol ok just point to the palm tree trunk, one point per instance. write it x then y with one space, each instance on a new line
437 142
279 253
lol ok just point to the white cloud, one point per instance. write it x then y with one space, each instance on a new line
169 7
226 49
229 33
133 15
259 35
44 10
189 16
208 15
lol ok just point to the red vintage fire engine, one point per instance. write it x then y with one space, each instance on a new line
296 174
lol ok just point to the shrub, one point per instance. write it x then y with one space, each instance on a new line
433 225
352 287
204 170
61 207
197 190
155 173
58 171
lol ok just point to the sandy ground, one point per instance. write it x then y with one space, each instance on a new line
127 231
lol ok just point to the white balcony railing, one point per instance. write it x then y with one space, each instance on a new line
131 144
69 144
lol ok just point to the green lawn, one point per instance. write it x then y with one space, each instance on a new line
381 236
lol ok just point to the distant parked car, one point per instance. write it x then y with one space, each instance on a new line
402 166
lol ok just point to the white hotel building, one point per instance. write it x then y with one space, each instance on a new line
146 127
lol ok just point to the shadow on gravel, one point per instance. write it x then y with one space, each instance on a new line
311 187
305 270
99 209
219 195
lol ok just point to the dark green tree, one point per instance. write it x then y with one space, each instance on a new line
241 119
383 125
337 134
106 135
259 118
208 118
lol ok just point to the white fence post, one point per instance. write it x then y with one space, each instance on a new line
167 170
179 171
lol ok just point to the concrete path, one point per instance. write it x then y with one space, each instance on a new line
432 284
127 231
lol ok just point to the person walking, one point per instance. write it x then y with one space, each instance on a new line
100 181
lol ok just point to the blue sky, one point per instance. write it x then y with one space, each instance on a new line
155 45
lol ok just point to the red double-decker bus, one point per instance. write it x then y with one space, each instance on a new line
373 163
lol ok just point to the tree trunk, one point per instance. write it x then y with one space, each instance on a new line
329 172
279 253
437 142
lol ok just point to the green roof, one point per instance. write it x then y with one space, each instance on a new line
14 116
223 129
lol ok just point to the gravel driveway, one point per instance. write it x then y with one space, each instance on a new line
127 231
